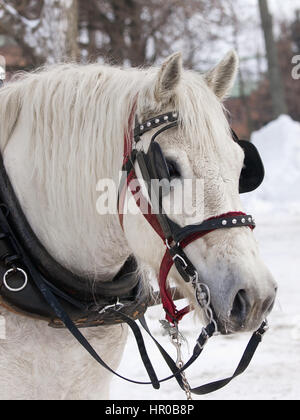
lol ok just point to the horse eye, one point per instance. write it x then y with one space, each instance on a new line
173 169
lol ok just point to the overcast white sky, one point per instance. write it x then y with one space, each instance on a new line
283 8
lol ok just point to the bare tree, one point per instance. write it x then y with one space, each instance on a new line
133 32
238 24
138 32
46 30
296 31
276 84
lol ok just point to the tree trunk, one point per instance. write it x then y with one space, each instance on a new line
245 101
57 32
276 85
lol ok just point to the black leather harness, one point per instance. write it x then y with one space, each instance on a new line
84 300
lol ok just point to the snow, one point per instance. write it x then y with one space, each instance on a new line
279 146
274 373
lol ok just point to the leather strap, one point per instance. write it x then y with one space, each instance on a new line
79 287
246 358
30 302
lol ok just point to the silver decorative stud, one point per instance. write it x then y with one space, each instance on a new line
174 115
156 120
249 219
243 220
148 124
142 127
224 222
166 117
234 221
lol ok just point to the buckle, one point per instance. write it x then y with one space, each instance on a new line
204 336
177 256
262 329
116 306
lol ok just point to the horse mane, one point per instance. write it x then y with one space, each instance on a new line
77 116
68 100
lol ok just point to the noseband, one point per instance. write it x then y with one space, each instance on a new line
153 166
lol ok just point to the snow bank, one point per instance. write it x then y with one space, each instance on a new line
279 145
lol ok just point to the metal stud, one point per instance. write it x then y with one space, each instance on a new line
156 120
249 219
243 220
166 117
224 222
174 115
234 221
148 124
142 127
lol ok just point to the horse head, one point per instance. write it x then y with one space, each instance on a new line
200 149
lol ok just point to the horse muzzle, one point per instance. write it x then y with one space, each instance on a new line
245 311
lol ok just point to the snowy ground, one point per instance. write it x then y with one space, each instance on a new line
274 372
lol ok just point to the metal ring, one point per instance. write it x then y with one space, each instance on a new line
194 279
18 289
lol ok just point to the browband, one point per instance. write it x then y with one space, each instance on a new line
148 125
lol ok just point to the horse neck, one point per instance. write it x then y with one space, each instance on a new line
60 202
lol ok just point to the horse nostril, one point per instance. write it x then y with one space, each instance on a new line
240 307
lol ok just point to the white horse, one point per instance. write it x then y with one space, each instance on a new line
61 131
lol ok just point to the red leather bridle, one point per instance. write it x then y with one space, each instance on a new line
174 237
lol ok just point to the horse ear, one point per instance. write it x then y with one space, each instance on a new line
221 78
168 78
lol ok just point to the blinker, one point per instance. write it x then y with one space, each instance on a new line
253 172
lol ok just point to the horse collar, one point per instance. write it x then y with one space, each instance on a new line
23 257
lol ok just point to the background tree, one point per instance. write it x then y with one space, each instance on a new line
130 32
295 31
276 86
143 32
138 32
